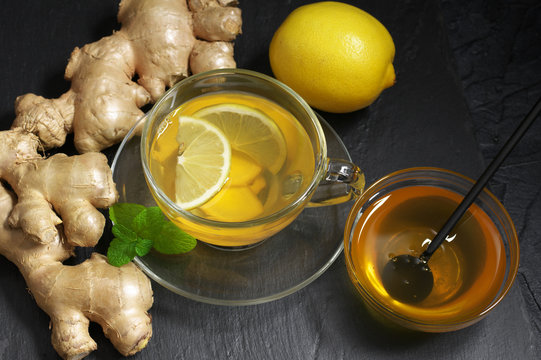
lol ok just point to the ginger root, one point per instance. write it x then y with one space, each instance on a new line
214 20
156 42
72 187
116 298
55 211
160 42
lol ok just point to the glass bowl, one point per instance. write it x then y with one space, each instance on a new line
400 213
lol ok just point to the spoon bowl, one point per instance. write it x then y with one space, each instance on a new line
407 278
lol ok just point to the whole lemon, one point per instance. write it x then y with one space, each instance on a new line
336 56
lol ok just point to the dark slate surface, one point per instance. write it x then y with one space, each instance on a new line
468 71
496 47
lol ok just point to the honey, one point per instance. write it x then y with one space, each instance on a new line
468 268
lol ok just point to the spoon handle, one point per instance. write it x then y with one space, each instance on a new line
482 181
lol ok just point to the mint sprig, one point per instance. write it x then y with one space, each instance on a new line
137 229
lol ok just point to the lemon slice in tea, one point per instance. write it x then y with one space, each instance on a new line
203 162
249 131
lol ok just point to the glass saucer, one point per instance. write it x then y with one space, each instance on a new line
276 267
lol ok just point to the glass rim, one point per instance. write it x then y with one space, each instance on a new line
299 201
510 240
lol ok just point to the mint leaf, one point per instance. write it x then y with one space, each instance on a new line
172 240
123 233
120 252
124 213
166 237
138 229
148 222
143 246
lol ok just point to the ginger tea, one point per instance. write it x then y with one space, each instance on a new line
468 268
270 167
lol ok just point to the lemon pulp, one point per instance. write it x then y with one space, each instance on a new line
203 162
250 132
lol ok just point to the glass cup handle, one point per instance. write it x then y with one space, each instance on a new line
342 182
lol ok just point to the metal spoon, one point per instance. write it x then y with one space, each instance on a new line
408 278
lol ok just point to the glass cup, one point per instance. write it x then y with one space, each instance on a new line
399 214
332 181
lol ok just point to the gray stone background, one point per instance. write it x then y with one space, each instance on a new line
486 58
496 45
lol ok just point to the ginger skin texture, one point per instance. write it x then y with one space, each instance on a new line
48 206
72 187
116 298
160 41
55 211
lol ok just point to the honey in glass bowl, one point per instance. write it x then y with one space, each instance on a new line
472 269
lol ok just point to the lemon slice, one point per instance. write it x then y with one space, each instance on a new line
249 131
235 203
203 162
